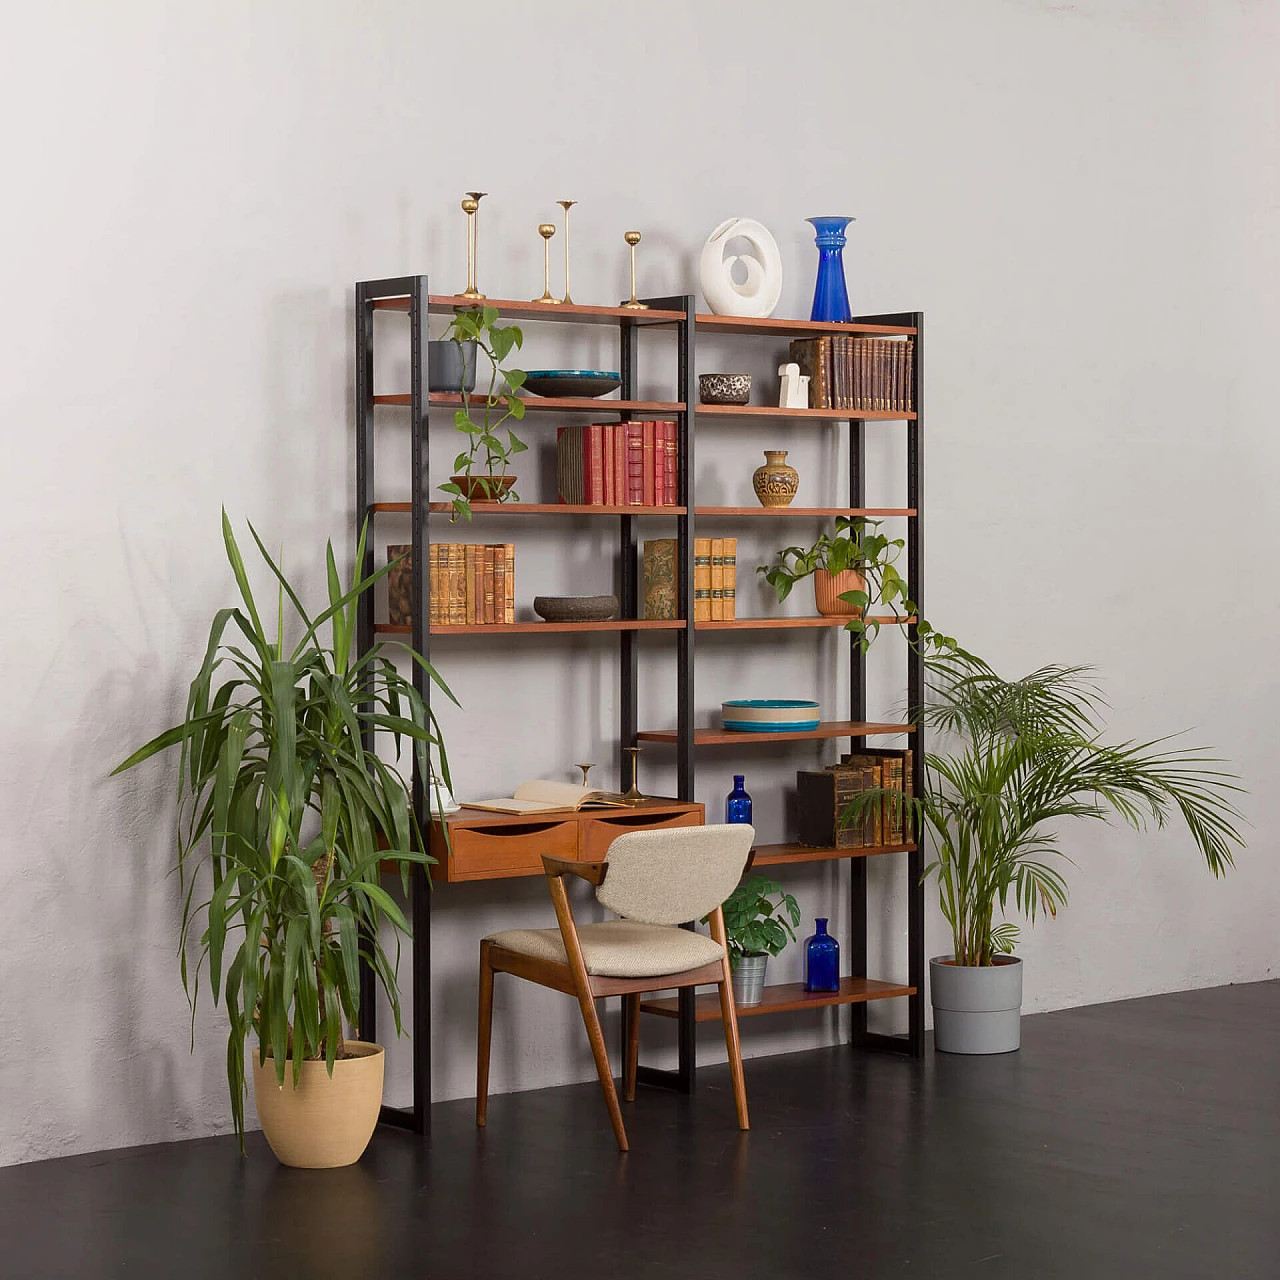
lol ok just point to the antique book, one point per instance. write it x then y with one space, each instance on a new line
617 432
544 796
595 464
672 490
400 585
509 595
730 562
472 551
647 462
717 579
659 464
457 584
435 611
489 580
702 579
659 578
896 775
634 436
570 469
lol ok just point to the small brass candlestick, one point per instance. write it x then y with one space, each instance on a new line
469 206
633 239
566 205
586 768
546 230
633 796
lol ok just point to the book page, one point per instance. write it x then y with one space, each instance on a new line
564 795
512 805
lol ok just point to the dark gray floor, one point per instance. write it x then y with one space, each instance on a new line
1139 1139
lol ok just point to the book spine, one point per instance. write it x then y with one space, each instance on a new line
659 464
499 581
672 470
457 584
860 373
570 474
911 375
660 578
433 585
730 579
844 361
489 572
620 464
471 583
595 465
908 789
717 579
400 586
646 456
882 379
608 431
702 579
635 463
509 594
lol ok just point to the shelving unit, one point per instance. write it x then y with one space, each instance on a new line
410 295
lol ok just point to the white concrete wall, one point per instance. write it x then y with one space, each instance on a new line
1082 198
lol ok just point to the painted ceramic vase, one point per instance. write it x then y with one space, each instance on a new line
775 483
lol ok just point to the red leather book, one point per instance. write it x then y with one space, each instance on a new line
610 430
635 463
619 430
669 459
647 453
595 464
659 464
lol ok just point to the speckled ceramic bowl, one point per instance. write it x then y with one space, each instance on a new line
724 388
575 608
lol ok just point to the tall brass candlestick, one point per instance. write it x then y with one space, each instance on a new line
633 796
633 239
546 230
566 205
469 206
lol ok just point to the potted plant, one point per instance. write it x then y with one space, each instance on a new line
482 468
285 813
757 927
852 570
1028 753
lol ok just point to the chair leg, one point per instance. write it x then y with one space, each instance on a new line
729 1016
594 1033
484 1035
631 1019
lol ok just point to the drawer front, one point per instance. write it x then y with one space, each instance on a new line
599 833
507 849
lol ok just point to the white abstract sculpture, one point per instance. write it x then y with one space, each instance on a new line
793 392
760 292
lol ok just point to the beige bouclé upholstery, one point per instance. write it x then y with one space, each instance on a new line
619 948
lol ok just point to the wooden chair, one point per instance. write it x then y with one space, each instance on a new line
653 880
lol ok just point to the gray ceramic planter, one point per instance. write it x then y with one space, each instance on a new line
748 979
976 1009
451 366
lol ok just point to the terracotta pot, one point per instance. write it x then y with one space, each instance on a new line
776 482
483 488
829 587
326 1122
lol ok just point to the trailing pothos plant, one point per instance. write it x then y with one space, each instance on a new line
485 461
859 545
1026 755
284 814
754 923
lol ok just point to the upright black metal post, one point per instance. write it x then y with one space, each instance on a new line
915 688
857 711
628 581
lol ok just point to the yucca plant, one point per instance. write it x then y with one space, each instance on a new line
1028 754
284 814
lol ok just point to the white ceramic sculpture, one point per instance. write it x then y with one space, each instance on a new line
759 293
793 389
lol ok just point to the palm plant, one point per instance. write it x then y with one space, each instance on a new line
1030 753
285 806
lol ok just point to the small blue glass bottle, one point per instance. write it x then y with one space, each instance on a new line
821 960
737 804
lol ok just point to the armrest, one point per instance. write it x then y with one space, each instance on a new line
591 872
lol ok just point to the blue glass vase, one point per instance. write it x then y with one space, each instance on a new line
830 297
821 960
737 804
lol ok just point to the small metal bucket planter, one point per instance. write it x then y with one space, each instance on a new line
748 979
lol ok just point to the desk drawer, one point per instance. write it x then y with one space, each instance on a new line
509 848
599 833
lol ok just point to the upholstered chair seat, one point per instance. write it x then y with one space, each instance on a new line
618 948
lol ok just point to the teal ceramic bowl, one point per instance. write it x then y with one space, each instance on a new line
770 715
571 382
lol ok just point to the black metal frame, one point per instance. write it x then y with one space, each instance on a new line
415 290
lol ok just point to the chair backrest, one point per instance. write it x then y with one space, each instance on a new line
679 874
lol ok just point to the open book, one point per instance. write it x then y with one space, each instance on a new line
542 796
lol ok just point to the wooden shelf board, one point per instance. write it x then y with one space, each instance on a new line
516 309
529 628
830 729
776 855
778 624
786 997
532 508
800 415
806 512
557 404
780 327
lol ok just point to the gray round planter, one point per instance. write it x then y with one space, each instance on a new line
451 365
748 979
976 1009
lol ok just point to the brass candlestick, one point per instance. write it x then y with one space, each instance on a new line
546 230
469 206
633 796
633 239
566 205
586 768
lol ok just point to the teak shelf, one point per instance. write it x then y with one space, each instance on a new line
491 847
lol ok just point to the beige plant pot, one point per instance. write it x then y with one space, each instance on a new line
326 1122
828 588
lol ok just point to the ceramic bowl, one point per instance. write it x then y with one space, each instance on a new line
770 715
575 608
571 382
724 388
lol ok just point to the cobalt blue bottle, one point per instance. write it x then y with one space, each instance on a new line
821 960
830 297
737 804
